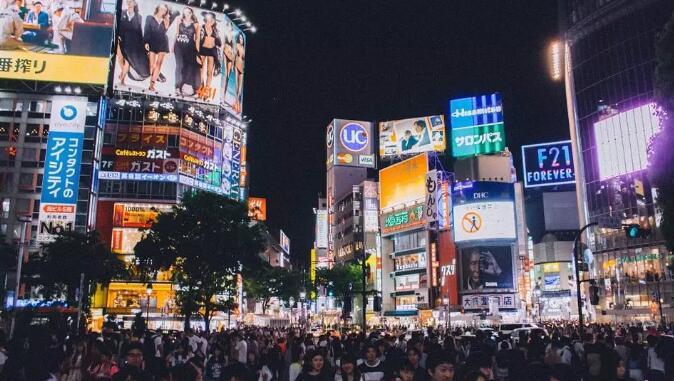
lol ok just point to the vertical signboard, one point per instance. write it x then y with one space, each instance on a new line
432 192
477 125
257 208
285 242
234 185
61 180
322 229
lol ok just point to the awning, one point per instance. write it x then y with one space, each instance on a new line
401 313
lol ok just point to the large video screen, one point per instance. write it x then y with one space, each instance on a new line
477 125
410 136
60 41
622 141
403 183
484 220
486 267
180 51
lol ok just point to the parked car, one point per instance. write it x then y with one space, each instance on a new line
507 329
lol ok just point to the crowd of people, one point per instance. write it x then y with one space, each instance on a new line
562 353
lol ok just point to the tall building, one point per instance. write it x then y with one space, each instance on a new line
92 139
610 62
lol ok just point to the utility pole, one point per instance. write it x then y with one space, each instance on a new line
577 254
364 292
25 220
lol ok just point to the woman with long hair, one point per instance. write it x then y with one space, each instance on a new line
131 53
102 367
210 42
156 42
186 50
228 54
73 364
239 64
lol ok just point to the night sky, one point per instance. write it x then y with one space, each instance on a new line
312 61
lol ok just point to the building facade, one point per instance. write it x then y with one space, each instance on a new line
610 62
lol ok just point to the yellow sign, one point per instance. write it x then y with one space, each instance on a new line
551 267
403 183
17 64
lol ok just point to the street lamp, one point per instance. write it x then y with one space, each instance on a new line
303 295
537 294
25 220
148 290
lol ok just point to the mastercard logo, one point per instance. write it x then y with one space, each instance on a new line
344 158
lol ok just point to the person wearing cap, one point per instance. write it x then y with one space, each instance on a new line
133 366
63 24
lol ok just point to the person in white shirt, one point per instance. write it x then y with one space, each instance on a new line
241 349
11 26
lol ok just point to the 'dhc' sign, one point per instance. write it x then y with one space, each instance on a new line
548 164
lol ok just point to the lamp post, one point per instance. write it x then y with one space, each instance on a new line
148 290
303 296
25 220
537 295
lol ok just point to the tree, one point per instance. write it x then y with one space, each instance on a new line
205 241
345 279
58 270
661 168
273 282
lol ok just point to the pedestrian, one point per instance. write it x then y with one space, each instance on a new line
348 371
440 368
315 368
215 364
295 367
133 366
372 368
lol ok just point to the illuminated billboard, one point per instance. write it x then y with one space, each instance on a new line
61 180
486 267
477 125
322 229
350 143
137 215
548 164
402 220
483 210
411 136
284 241
67 42
403 183
177 51
622 141
257 208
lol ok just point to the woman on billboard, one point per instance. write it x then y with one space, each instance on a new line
131 52
239 63
210 43
186 50
156 42
228 54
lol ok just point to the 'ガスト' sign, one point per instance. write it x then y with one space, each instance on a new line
548 164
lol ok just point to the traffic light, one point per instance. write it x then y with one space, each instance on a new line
636 231
376 303
331 289
594 295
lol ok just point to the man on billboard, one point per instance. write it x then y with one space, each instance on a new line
11 26
409 141
483 269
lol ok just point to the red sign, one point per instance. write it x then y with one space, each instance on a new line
447 267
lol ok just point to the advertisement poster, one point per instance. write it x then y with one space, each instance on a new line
284 241
350 143
51 40
61 180
486 267
548 164
257 208
484 220
179 51
477 125
403 183
140 216
412 136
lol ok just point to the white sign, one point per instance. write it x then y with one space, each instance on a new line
432 193
371 221
485 301
484 221
322 229
285 242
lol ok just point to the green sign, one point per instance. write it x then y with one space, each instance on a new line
477 140
403 219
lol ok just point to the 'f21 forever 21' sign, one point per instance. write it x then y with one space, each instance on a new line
548 164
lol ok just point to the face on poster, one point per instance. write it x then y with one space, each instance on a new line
49 40
180 51
410 136
486 267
